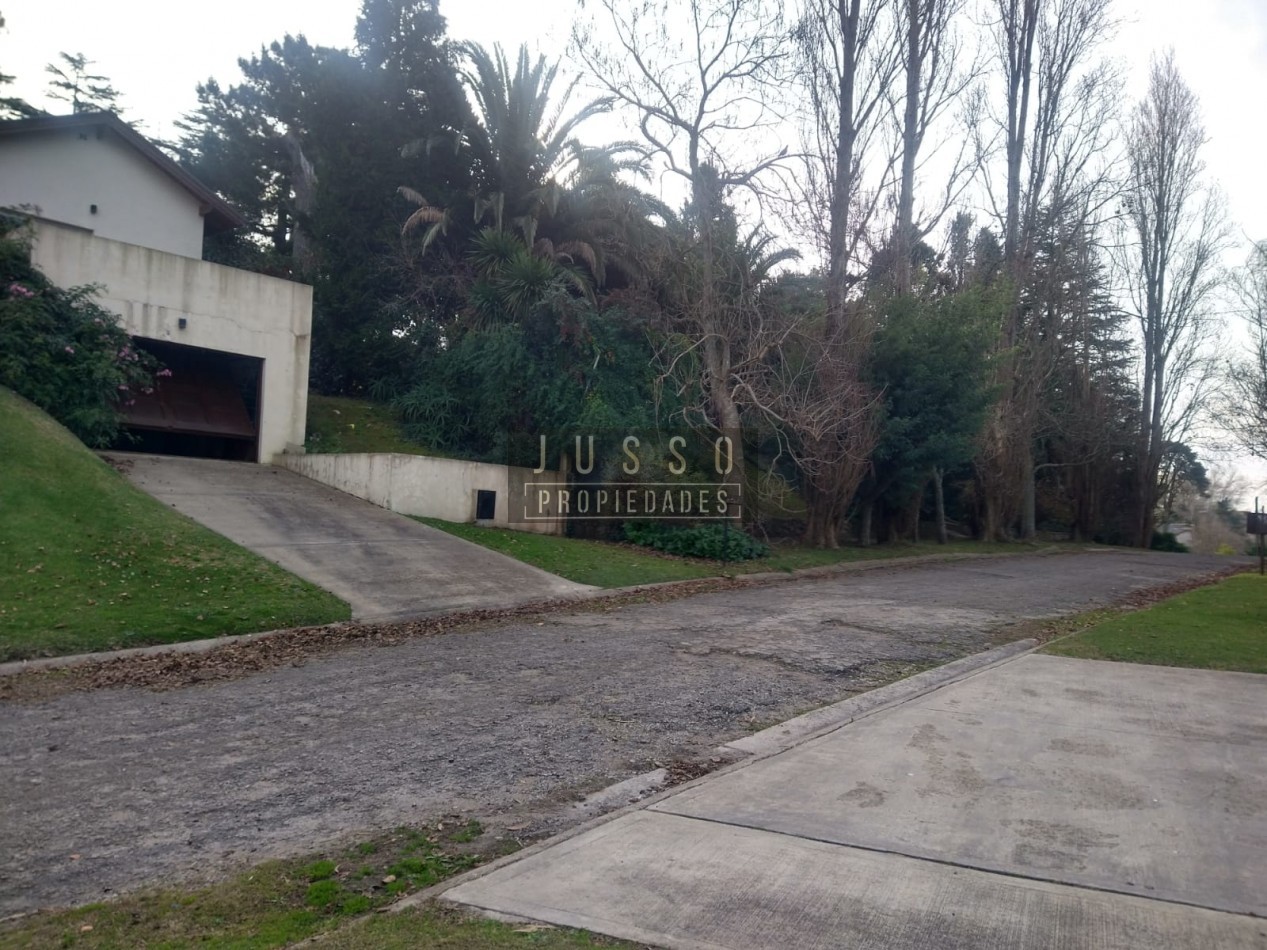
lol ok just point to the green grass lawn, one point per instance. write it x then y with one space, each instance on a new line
1223 627
604 564
87 562
334 894
340 424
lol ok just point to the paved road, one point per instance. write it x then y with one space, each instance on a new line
383 564
1046 802
146 786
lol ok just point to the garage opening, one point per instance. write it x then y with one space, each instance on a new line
209 407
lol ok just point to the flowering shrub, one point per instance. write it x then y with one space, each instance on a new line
62 351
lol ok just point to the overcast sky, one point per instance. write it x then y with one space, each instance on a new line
156 51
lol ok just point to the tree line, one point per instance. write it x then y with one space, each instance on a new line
923 255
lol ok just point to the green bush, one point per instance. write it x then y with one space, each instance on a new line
1166 541
62 351
715 542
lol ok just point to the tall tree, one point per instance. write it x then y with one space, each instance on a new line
848 59
701 90
308 146
74 84
1054 133
937 75
1083 430
1243 410
1175 231
519 150
931 365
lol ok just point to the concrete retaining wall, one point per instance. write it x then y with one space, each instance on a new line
422 485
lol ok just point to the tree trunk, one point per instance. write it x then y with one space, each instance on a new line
1029 502
904 232
822 520
304 184
991 527
864 524
939 507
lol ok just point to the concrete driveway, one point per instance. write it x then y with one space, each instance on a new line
1044 802
383 564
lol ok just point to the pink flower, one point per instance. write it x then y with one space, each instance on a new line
163 372
70 350
123 387
147 390
17 290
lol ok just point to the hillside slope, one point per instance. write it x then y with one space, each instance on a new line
87 562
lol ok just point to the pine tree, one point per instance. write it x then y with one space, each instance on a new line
85 91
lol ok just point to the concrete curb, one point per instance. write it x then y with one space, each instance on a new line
14 667
768 743
813 724
580 598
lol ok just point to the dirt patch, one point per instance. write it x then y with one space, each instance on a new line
680 771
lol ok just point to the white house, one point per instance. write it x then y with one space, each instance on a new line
109 208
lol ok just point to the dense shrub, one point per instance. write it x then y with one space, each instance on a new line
713 541
1166 541
62 351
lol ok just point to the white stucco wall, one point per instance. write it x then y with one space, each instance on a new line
420 485
65 172
225 309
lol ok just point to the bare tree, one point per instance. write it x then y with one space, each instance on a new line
936 78
825 416
1055 135
1243 408
1175 231
849 58
701 82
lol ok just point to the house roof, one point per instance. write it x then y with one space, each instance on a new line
219 214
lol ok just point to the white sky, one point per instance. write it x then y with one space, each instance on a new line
156 51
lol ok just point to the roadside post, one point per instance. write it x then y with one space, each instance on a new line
1257 524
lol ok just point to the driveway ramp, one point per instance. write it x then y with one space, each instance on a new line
386 566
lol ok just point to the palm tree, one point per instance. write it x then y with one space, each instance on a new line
515 282
529 173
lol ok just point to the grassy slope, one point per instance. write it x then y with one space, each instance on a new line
1223 627
340 424
333 894
621 565
87 562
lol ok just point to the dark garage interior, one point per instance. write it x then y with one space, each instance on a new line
209 407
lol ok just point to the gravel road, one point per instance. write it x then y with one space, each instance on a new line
105 791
